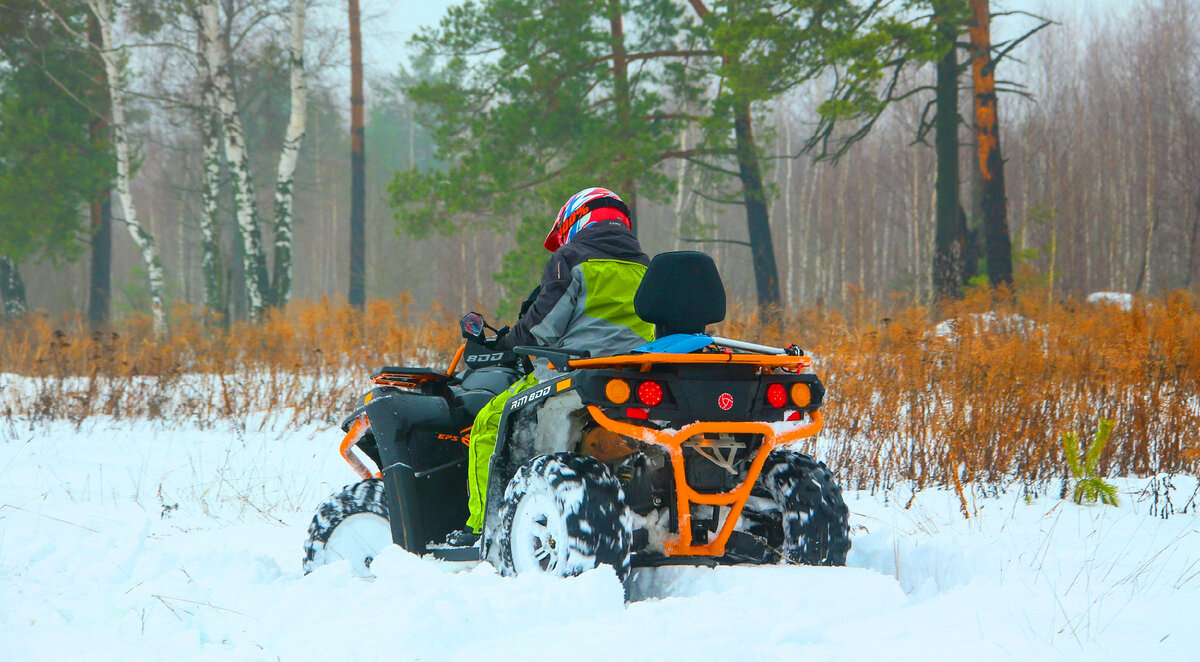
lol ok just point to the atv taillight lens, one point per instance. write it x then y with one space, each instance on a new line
617 391
650 393
777 395
801 394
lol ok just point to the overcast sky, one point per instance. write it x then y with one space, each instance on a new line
388 25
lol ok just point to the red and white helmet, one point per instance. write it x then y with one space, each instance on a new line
591 205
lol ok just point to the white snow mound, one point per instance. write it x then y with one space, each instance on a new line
122 542
1122 300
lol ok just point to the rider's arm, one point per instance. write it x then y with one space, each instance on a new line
550 312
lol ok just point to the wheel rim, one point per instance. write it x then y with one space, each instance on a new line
359 538
539 536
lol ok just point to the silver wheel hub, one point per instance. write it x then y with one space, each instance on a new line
358 539
539 536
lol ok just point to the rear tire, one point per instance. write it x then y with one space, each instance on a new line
805 510
353 525
563 514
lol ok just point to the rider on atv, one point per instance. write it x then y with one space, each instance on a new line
585 301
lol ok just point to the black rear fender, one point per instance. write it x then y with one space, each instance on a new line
423 463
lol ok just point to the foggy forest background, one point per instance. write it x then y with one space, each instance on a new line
1101 181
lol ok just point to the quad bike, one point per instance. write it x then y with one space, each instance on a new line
682 459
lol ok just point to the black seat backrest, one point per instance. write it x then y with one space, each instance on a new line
680 293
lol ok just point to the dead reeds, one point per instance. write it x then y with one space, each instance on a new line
981 392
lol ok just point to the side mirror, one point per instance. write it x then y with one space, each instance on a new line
472 325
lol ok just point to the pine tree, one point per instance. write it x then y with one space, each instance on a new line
52 165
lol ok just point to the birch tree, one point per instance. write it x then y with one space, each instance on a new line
261 289
141 238
254 261
210 137
285 177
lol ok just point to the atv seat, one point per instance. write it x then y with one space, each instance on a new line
681 293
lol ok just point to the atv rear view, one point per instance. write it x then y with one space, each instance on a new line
683 458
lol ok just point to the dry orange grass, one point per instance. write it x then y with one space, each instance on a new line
986 396
307 362
983 398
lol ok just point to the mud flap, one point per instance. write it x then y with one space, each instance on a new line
424 478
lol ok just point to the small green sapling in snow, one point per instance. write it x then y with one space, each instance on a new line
1088 485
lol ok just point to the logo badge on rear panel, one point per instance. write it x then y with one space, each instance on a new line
725 401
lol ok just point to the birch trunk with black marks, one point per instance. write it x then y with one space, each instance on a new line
286 175
210 133
12 289
210 229
141 238
254 261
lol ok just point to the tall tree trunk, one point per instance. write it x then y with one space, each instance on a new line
758 222
789 223
142 239
949 236
1194 245
210 132
1144 274
681 185
284 183
620 69
210 229
358 163
100 277
254 262
12 289
998 243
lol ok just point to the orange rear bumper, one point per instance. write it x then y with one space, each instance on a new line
736 499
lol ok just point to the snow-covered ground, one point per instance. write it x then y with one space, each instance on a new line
130 541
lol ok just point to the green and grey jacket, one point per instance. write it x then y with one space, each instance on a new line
586 301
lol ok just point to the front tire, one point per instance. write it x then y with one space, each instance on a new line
805 512
563 514
352 525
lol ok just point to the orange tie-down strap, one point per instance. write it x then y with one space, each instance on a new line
736 499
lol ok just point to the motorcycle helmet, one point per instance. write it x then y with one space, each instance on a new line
591 205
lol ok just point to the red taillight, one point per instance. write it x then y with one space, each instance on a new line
777 395
650 394
637 412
